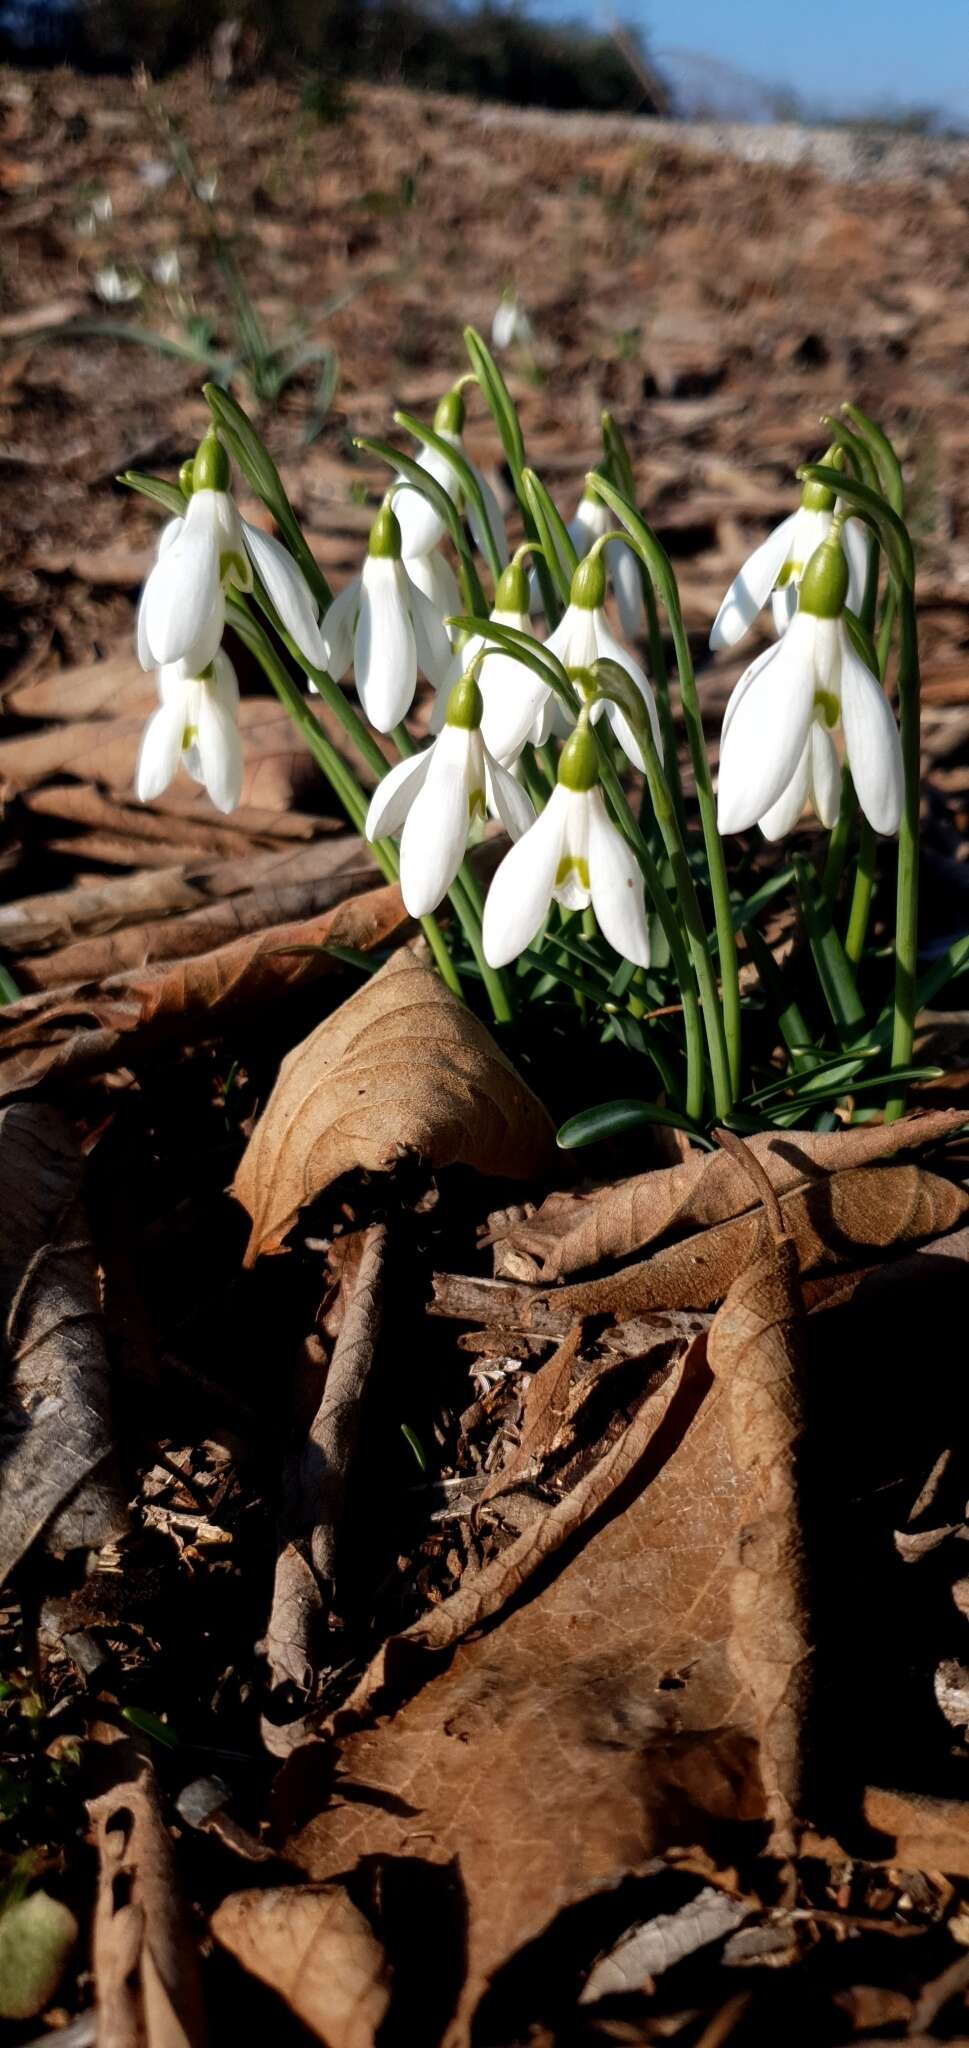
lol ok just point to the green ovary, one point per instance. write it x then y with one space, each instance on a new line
572 863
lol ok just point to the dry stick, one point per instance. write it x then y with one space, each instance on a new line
754 1347
317 1483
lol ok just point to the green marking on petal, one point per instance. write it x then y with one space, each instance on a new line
827 706
477 807
572 864
233 568
189 737
789 574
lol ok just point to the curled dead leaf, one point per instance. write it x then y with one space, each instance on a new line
146 1967
400 1067
841 1220
570 1232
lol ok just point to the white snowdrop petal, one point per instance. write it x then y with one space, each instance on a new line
824 780
160 751
751 587
783 604
436 828
337 630
871 743
394 795
783 816
513 697
617 886
508 799
741 687
434 650
766 735
220 749
857 543
289 591
384 648
420 526
434 575
182 594
627 583
521 891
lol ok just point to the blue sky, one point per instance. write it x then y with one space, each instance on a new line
909 52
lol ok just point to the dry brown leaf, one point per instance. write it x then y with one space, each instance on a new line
115 686
400 1067
149 1992
182 816
278 768
930 1833
246 895
756 1348
85 1031
600 1721
311 1945
841 1220
570 1232
57 1476
59 918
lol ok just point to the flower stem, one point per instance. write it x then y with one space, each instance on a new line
661 571
679 954
862 893
689 903
906 908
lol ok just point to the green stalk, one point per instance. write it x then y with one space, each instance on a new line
679 954
907 898
500 404
621 470
665 814
340 778
661 570
834 973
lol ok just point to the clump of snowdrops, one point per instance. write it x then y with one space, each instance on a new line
557 663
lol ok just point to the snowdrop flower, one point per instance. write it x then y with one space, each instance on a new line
387 627
511 323
776 748
156 174
421 527
575 854
195 725
166 268
583 636
436 795
518 706
775 568
114 288
182 611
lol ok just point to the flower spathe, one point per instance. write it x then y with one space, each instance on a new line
574 855
432 798
776 567
776 747
181 616
383 623
584 636
421 525
196 727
